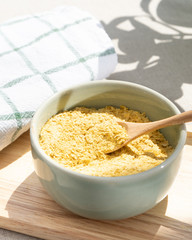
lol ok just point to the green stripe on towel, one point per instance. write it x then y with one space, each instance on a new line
21 115
46 35
72 49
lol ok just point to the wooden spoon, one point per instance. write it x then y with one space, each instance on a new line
135 130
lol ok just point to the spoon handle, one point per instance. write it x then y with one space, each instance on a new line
174 120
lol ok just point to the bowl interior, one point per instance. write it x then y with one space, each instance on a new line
102 93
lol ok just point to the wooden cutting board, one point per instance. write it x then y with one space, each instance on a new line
26 208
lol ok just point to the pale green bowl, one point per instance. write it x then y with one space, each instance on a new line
108 197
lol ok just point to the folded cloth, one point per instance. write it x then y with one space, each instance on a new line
42 54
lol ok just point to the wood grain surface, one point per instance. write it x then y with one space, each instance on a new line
26 208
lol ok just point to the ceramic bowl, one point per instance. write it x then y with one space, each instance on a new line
108 197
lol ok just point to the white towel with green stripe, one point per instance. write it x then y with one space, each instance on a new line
42 54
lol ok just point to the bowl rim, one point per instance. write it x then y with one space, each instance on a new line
35 143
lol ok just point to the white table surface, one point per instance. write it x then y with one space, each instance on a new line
153 40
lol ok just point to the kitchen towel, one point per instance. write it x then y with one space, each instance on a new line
42 54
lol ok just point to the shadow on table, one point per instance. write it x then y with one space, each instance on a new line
15 150
156 46
31 208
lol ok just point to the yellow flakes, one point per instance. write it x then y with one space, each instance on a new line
79 139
